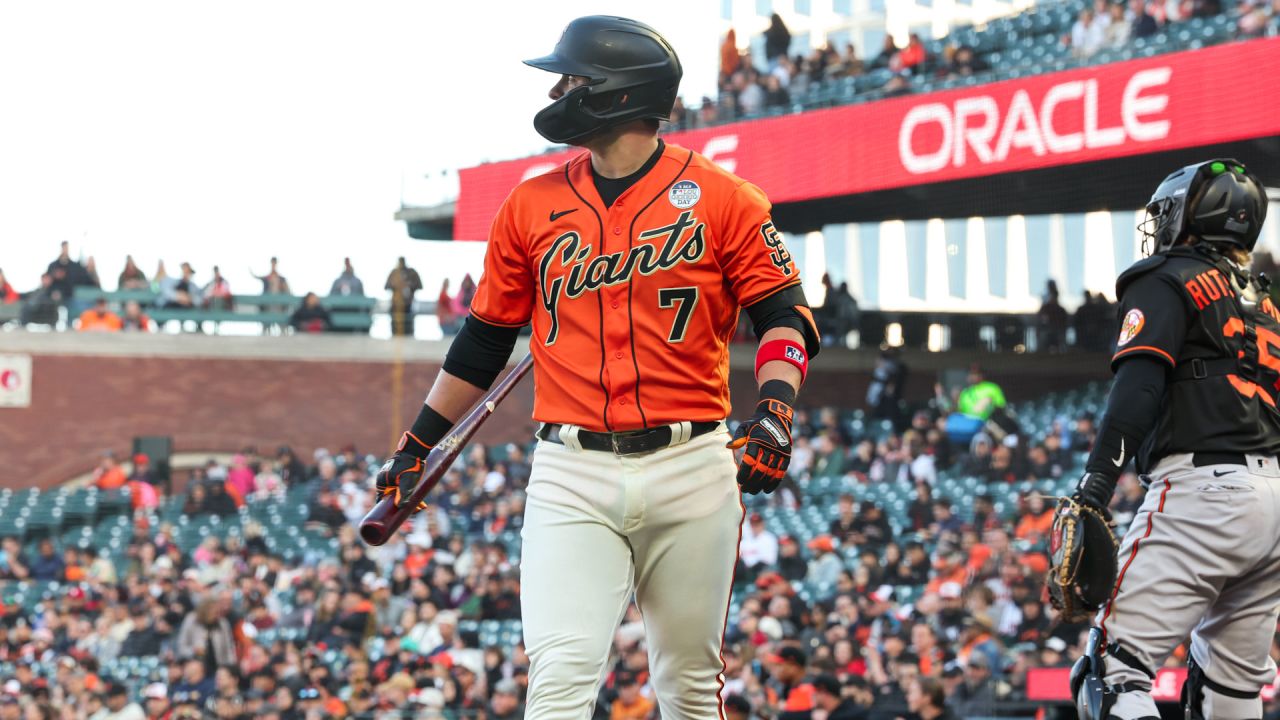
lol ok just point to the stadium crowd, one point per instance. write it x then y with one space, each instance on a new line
942 608
751 85
56 295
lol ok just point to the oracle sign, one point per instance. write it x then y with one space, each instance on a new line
978 128
1141 106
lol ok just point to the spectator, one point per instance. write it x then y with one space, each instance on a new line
219 501
1205 8
347 284
118 705
134 319
47 565
1051 321
975 405
205 636
466 292
217 294
887 53
403 282
758 548
182 293
1118 32
450 321
1102 14
630 703
273 283
871 529
775 95
1036 520
41 305
67 275
156 700
8 295
311 316
730 58
791 566
926 700
884 392
1084 434
912 58
142 470
1141 23
965 63
827 696
506 703
1087 35
160 277
977 694
99 318
132 277
777 39
194 687
750 93
795 694
109 475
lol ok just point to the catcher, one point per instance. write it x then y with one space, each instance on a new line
1197 371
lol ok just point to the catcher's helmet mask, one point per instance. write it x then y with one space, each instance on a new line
631 71
1217 201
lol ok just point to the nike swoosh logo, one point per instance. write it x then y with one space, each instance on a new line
557 215
1224 472
1120 460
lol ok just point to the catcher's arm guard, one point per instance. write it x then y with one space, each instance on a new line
1082 560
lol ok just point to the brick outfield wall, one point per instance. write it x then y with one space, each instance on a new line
85 404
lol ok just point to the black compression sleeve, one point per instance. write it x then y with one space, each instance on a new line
1132 409
781 310
480 352
430 426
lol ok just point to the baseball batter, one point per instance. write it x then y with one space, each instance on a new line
1197 368
631 261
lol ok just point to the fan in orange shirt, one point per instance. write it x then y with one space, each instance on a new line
100 319
1036 522
630 705
109 475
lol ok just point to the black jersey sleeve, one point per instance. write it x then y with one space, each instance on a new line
1153 320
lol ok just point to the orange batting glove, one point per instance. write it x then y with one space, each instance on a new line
402 472
766 435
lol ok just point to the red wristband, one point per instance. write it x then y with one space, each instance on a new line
785 350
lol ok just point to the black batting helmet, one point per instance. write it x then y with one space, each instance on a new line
632 73
1218 201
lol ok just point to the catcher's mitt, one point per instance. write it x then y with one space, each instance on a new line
1082 557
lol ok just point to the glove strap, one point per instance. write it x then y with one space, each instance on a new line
411 445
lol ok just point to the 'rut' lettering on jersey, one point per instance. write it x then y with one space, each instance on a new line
681 241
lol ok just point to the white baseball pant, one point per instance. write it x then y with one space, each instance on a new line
598 527
1201 557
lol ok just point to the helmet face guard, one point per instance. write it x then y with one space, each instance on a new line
1217 201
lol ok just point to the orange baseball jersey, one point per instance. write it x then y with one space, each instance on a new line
632 305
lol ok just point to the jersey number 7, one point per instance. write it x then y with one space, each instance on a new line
683 300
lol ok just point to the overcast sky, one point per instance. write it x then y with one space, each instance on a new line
226 132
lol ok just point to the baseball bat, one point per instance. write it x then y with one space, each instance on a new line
385 517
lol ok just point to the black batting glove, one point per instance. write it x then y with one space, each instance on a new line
402 472
1094 490
766 435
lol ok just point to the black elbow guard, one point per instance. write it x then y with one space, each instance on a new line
480 352
786 308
